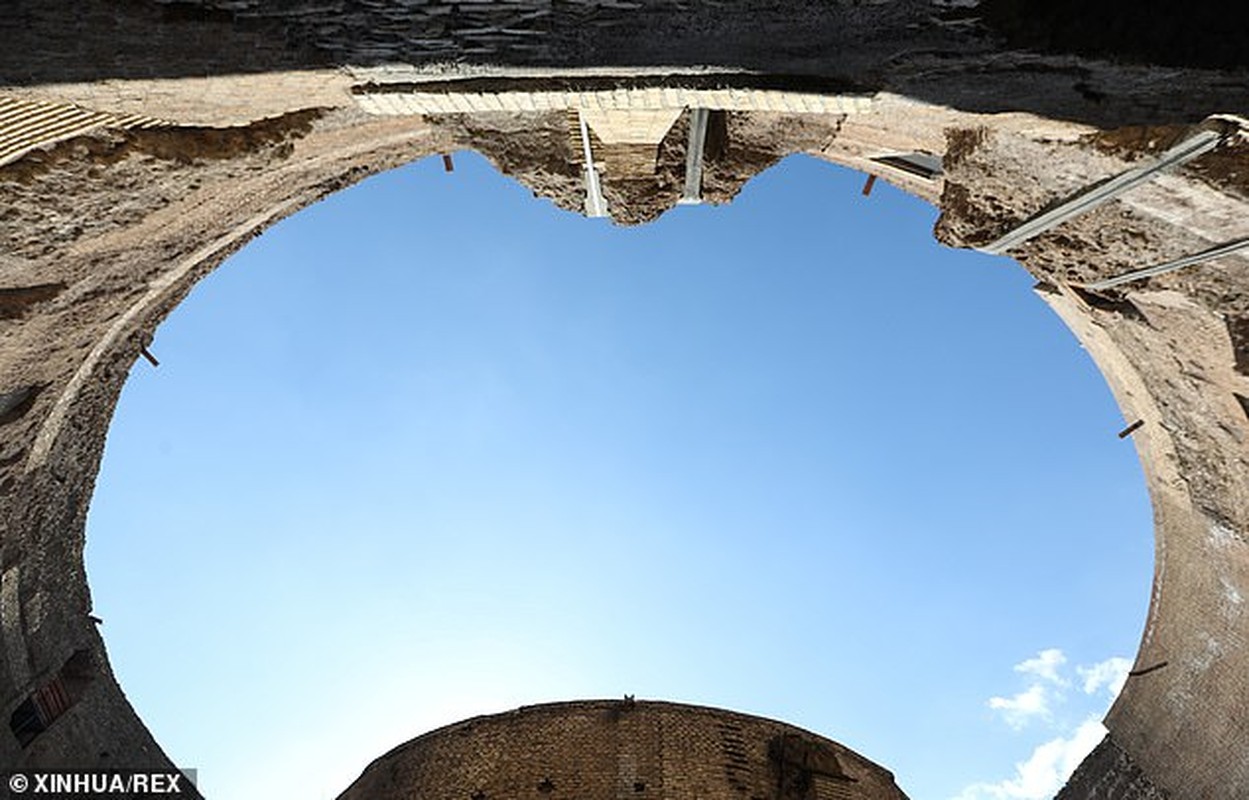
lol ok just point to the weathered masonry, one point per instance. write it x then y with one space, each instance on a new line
607 749
143 141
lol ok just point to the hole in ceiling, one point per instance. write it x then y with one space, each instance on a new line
527 458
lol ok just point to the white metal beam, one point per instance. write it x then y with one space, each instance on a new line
693 194
1201 142
595 203
1227 248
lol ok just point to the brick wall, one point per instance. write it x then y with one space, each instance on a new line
622 750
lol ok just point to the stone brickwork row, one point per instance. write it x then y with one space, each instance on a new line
622 99
26 125
383 30
925 49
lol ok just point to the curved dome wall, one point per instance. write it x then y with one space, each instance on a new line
141 143
610 749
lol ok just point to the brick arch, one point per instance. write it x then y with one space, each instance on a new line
136 180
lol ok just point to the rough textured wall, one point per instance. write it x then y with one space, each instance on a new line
931 50
613 749
1168 353
1109 774
104 231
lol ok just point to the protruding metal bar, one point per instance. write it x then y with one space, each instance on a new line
1224 249
868 184
693 194
595 204
1131 429
1090 198
151 359
1136 673
922 165
447 164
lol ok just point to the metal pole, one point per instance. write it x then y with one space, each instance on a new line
1227 248
1088 199
693 194
595 205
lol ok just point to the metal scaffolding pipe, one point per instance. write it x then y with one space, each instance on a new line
1086 200
1227 248
595 204
693 194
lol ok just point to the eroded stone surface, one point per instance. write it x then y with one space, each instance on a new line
264 122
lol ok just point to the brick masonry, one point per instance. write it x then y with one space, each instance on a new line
622 750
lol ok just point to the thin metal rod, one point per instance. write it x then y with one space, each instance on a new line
1227 248
595 205
693 193
1136 673
1090 198
868 184
448 165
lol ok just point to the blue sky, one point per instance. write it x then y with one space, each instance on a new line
432 448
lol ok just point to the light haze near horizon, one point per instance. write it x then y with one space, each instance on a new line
432 448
